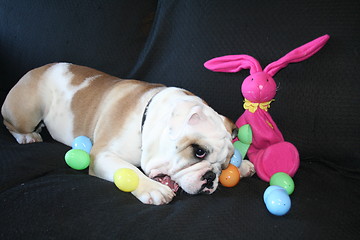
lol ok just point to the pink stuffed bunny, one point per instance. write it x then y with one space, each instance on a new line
268 152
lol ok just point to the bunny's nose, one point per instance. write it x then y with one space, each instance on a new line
261 87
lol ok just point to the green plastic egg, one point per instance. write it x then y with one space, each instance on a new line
77 159
283 180
245 134
242 148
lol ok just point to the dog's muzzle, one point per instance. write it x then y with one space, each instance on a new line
209 176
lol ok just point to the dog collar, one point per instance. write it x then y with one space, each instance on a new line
146 111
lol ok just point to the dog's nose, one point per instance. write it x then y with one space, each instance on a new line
209 176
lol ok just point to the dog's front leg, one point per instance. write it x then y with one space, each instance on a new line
106 163
247 168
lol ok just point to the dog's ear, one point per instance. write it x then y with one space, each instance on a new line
195 117
230 127
181 119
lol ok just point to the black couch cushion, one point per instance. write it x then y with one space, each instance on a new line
168 41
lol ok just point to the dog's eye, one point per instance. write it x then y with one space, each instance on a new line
199 152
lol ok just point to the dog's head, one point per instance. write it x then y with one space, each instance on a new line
191 144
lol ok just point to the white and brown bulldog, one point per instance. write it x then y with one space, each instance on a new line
168 132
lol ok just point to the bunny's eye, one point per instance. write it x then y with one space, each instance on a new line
267 80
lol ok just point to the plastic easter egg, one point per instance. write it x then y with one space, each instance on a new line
236 159
77 159
237 145
283 180
241 147
126 179
245 134
83 143
277 200
230 176
270 189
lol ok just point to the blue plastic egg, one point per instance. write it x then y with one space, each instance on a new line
270 189
82 143
277 200
236 159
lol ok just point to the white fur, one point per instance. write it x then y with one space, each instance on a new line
168 121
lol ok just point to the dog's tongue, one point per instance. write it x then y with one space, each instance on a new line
166 180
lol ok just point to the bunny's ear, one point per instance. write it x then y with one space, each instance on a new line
297 55
233 63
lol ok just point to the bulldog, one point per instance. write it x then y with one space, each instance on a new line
173 135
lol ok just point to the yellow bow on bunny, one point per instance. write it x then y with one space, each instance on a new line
252 107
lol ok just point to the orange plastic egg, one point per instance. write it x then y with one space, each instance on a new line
230 176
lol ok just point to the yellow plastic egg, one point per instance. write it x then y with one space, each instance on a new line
126 179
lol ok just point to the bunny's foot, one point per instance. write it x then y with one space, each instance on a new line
280 157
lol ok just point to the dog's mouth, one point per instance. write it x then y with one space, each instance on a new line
166 180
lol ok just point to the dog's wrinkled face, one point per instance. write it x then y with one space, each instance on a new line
192 150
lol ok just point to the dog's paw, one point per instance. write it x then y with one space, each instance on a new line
27 138
247 168
152 192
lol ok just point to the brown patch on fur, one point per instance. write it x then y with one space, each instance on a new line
36 74
82 72
126 105
230 127
191 94
185 147
114 118
22 111
188 92
233 130
87 104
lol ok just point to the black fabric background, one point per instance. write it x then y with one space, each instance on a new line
168 41
316 106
